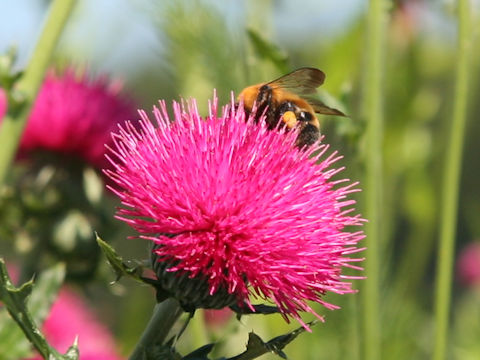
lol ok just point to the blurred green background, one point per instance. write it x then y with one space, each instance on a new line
185 48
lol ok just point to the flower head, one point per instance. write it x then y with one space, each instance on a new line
236 207
74 115
468 265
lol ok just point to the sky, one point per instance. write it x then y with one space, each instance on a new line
113 34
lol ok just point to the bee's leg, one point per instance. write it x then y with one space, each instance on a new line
272 121
284 107
286 115
289 119
245 110
247 113
308 135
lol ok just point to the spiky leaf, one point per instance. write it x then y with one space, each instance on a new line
257 347
117 263
16 300
200 353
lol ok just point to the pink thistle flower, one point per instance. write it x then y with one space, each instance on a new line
70 317
3 103
74 115
468 265
236 209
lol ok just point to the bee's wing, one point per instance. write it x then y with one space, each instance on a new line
303 81
321 108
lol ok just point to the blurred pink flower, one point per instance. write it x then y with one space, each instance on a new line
468 265
3 103
247 213
70 317
408 16
217 318
74 115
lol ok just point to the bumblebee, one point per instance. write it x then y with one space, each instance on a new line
288 101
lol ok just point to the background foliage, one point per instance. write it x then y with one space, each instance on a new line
168 49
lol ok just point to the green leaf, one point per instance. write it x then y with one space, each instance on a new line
13 344
73 352
117 263
200 353
268 51
15 301
8 76
257 309
45 292
167 351
257 347
122 269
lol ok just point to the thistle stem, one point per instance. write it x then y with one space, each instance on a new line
165 314
372 108
451 179
25 91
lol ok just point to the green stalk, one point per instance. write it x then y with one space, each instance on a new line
450 188
25 91
372 107
165 314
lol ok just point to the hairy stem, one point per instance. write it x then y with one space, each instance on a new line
165 314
